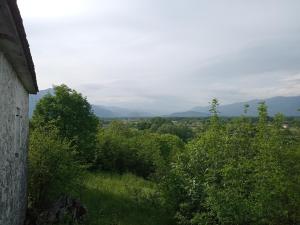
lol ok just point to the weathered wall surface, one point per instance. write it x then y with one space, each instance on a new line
14 130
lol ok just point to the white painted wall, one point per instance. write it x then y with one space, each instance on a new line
14 129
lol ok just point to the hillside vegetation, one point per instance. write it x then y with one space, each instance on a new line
160 171
123 199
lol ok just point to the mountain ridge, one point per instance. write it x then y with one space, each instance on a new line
100 110
280 104
287 105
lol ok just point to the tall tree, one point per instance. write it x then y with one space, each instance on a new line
72 114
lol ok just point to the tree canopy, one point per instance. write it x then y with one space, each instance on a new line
72 114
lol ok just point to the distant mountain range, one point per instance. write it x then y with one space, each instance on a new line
100 111
287 105
118 112
191 114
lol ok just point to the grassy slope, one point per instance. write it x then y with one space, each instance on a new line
123 200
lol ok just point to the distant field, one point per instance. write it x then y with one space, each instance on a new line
123 200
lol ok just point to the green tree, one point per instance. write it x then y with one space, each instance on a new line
237 173
114 151
71 113
157 122
123 149
246 108
183 132
214 119
53 170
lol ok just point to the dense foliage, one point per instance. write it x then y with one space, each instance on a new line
72 115
121 149
166 126
52 168
238 173
216 171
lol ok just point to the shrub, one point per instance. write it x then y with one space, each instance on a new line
52 168
121 149
237 173
183 132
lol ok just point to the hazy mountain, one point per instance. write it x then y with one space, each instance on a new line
123 112
286 105
118 112
189 114
100 111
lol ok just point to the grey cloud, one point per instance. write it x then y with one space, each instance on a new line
168 55
268 56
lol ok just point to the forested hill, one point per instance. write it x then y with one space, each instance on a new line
287 105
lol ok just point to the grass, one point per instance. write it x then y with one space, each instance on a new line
123 200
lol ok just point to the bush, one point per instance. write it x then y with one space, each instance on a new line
52 168
183 132
166 126
121 149
237 173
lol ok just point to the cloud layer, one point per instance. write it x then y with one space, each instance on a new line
166 55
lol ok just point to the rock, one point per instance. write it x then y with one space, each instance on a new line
64 209
31 217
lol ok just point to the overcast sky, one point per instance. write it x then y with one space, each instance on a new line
166 55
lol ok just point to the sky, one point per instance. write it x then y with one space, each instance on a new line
166 55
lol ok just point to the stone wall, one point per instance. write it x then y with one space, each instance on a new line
14 128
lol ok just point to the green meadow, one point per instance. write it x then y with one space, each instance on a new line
123 200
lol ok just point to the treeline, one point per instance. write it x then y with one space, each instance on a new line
122 149
235 172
